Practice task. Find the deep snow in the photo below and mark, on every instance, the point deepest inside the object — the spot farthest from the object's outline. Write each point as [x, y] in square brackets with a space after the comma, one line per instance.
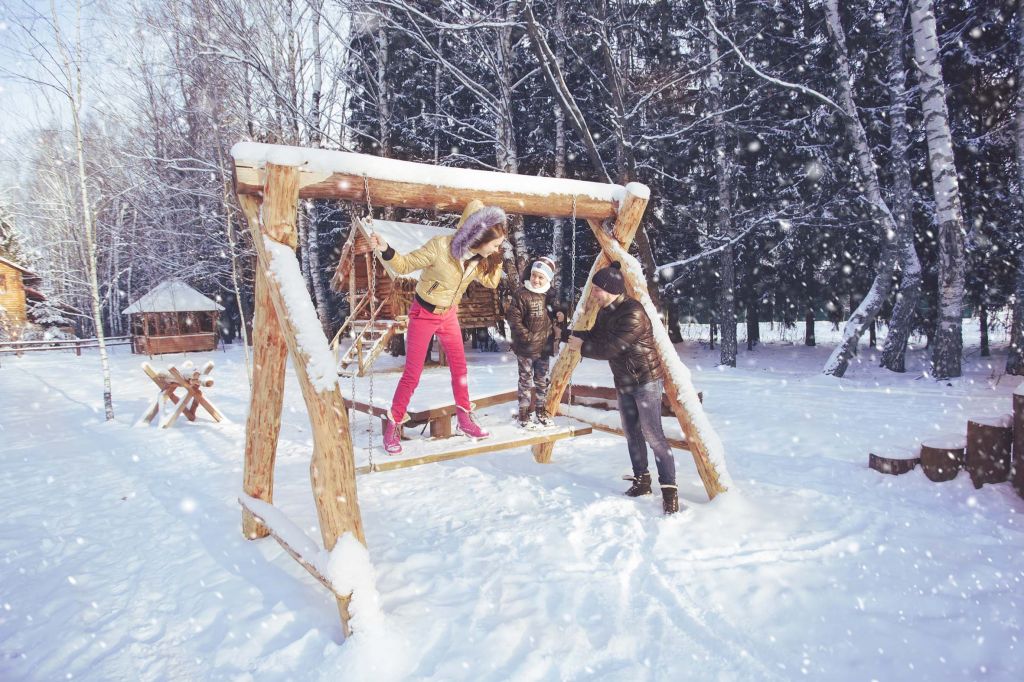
[122, 556]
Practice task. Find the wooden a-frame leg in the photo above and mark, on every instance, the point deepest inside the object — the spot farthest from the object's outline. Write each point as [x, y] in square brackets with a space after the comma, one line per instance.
[263, 425]
[637, 288]
[631, 211]
[332, 470]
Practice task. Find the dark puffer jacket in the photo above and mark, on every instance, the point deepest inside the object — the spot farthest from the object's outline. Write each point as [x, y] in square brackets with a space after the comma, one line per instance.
[623, 335]
[529, 319]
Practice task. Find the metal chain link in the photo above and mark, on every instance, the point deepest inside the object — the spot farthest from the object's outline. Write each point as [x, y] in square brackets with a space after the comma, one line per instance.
[371, 278]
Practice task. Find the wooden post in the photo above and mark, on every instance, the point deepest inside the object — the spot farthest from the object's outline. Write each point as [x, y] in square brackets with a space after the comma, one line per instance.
[332, 470]
[630, 212]
[637, 288]
[263, 426]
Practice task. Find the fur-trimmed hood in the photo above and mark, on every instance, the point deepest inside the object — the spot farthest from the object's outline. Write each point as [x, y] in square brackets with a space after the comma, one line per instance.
[473, 227]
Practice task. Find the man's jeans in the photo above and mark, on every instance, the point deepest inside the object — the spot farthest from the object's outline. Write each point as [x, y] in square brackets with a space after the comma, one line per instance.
[640, 410]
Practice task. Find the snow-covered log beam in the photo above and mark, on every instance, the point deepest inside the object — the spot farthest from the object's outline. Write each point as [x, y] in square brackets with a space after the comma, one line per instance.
[701, 439]
[630, 213]
[263, 426]
[326, 174]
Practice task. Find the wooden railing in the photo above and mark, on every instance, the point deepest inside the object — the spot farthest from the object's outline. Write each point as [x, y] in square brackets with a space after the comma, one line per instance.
[20, 347]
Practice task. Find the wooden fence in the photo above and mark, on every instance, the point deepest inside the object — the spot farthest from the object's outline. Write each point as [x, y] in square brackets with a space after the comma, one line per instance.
[19, 347]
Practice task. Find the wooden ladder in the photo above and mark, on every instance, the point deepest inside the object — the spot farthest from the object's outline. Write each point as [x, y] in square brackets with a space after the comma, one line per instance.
[369, 342]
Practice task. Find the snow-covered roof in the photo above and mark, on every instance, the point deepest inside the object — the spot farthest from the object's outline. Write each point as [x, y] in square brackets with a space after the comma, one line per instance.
[172, 296]
[329, 161]
[16, 266]
[405, 237]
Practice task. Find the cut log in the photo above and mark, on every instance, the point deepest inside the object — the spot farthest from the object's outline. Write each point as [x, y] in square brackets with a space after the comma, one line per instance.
[989, 441]
[892, 463]
[942, 458]
[1017, 474]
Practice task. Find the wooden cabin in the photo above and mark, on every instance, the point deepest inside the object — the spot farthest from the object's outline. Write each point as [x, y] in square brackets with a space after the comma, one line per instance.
[173, 318]
[393, 293]
[16, 288]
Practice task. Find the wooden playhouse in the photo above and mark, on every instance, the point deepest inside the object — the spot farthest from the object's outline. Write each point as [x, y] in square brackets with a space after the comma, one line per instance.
[392, 293]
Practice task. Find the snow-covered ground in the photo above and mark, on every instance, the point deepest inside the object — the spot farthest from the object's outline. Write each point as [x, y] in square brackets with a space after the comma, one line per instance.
[121, 556]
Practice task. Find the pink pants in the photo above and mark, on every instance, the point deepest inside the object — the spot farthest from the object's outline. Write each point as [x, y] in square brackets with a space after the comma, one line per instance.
[423, 325]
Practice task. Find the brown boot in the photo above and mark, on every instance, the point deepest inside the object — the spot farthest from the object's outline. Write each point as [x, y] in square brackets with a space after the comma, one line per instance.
[669, 499]
[641, 486]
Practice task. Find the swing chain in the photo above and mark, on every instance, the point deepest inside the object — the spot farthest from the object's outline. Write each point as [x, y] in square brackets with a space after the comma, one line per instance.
[371, 284]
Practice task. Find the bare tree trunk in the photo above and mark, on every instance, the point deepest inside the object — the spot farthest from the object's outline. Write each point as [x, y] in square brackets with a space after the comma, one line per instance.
[809, 329]
[558, 236]
[753, 320]
[624, 152]
[317, 211]
[983, 329]
[73, 75]
[723, 179]
[894, 351]
[866, 312]
[1015, 357]
[506, 151]
[948, 215]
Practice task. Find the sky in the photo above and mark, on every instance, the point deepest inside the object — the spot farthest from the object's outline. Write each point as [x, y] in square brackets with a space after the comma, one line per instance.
[27, 53]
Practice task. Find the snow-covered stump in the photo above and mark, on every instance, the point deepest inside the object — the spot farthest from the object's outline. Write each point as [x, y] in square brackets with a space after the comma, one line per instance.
[631, 210]
[263, 427]
[704, 444]
[895, 462]
[1017, 470]
[332, 470]
[989, 442]
[942, 458]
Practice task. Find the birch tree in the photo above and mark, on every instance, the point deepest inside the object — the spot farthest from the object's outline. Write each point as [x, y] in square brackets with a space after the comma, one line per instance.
[948, 338]
[864, 315]
[894, 351]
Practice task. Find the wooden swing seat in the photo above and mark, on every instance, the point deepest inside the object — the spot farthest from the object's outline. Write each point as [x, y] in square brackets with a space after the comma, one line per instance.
[504, 436]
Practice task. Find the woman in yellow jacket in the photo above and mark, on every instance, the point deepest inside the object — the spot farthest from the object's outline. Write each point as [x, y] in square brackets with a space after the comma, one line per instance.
[448, 265]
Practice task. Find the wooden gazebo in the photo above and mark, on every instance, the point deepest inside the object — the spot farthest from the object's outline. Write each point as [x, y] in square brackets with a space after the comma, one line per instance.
[270, 180]
[173, 318]
[393, 293]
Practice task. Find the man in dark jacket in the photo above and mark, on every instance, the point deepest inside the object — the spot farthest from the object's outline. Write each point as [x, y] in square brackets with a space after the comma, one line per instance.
[622, 334]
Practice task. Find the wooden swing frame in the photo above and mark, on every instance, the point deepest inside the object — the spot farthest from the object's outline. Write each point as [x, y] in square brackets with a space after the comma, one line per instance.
[269, 185]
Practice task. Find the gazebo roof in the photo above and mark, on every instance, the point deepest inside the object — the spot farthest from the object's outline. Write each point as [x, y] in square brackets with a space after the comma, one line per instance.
[172, 296]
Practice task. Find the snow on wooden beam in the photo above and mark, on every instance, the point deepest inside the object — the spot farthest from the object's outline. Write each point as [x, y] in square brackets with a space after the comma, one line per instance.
[327, 174]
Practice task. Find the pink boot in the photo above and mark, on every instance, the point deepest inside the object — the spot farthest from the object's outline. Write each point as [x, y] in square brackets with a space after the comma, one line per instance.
[468, 425]
[392, 439]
